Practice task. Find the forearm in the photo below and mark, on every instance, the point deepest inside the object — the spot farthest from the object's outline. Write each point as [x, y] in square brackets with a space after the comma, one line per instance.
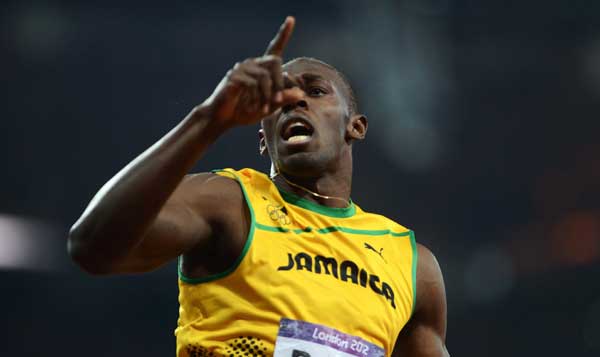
[126, 208]
[115, 220]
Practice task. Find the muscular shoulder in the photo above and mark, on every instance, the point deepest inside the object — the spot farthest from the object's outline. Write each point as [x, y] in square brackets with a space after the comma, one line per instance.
[428, 268]
[210, 193]
[220, 200]
[430, 283]
[210, 183]
[425, 333]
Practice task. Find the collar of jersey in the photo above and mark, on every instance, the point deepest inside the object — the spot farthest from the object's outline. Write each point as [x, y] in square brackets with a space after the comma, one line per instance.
[336, 212]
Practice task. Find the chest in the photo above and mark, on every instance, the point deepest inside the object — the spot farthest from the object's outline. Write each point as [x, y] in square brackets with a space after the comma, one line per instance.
[342, 280]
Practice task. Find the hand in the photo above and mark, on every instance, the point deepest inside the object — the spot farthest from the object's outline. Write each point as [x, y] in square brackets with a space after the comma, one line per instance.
[254, 88]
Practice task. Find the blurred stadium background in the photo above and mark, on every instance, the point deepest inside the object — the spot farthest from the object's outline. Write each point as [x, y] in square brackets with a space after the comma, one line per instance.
[484, 138]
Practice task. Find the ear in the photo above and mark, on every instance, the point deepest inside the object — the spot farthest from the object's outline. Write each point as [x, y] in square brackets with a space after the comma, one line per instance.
[262, 144]
[356, 129]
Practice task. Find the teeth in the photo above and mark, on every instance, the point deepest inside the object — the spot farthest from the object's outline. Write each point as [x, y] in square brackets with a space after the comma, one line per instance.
[298, 124]
[298, 138]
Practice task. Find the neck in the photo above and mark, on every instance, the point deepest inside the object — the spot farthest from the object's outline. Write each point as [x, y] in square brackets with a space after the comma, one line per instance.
[331, 189]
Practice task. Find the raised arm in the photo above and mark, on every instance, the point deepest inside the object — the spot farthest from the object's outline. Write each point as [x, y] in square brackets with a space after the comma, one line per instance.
[425, 333]
[150, 212]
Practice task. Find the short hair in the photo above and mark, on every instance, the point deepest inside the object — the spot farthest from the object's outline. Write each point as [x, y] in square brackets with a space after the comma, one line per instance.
[352, 102]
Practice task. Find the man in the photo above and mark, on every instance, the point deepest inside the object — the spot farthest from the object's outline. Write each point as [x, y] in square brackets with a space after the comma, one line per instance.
[283, 266]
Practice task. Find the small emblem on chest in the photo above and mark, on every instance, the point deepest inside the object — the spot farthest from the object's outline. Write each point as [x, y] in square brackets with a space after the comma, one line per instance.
[379, 252]
[277, 213]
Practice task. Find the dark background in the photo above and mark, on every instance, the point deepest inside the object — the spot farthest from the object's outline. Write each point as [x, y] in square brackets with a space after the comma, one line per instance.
[484, 139]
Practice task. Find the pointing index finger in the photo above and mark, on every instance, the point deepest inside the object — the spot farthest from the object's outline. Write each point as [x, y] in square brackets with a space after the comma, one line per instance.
[277, 45]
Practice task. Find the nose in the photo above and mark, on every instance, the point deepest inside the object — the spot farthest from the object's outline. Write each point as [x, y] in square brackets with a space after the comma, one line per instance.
[291, 81]
[298, 104]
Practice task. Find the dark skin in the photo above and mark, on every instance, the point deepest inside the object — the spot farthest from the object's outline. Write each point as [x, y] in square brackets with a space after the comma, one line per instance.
[152, 212]
[324, 163]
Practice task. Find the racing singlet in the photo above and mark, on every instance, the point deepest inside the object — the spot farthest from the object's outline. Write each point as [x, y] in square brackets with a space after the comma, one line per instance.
[312, 281]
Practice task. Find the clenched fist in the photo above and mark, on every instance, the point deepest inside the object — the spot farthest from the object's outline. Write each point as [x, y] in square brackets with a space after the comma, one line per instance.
[255, 87]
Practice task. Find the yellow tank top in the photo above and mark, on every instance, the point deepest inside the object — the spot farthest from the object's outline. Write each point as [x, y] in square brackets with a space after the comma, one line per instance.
[312, 281]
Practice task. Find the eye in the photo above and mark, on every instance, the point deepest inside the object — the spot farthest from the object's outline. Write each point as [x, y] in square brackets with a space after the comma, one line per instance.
[316, 92]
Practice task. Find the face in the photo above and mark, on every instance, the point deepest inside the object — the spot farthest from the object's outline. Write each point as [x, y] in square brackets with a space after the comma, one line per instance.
[307, 138]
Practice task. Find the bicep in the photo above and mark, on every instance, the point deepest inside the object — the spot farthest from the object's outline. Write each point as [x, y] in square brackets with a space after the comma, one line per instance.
[425, 333]
[184, 222]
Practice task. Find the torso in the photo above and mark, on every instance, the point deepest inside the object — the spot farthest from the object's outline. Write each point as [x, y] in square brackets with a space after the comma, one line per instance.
[335, 272]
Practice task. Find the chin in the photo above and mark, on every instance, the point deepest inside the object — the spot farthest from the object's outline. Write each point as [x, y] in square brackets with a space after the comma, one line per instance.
[303, 164]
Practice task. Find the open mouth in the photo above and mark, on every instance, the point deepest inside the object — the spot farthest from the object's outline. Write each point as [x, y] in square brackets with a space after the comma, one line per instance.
[296, 130]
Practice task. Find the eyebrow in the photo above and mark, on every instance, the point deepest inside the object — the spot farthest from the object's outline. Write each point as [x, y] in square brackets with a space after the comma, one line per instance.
[313, 77]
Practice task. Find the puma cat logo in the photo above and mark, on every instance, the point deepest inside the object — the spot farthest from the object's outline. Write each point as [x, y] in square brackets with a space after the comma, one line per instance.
[380, 251]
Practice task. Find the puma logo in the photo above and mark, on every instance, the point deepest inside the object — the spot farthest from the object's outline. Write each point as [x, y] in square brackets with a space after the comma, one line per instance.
[380, 251]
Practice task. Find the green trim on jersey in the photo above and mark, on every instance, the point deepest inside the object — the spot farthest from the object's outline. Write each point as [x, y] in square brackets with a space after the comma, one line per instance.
[238, 261]
[415, 260]
[331, 229]
[275, 229]
[344, 212]
[366, 232]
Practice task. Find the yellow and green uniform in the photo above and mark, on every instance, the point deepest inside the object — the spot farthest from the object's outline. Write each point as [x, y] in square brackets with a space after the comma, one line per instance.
[340, 269]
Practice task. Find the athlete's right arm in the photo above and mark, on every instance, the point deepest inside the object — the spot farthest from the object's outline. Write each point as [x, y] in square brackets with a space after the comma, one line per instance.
[150, 208]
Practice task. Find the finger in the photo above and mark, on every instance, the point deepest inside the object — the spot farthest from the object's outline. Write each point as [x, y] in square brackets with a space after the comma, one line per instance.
[289, 96]
[246, 84]
[264, 82]
[250, 100]
[288, 81]
[277, 45]
[273, 65]
[243, 80]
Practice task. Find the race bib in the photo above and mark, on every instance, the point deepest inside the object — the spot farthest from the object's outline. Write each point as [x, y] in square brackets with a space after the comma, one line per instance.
[304, 339]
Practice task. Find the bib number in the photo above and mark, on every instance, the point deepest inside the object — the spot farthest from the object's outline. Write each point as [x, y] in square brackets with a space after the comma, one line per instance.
[303, 339]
